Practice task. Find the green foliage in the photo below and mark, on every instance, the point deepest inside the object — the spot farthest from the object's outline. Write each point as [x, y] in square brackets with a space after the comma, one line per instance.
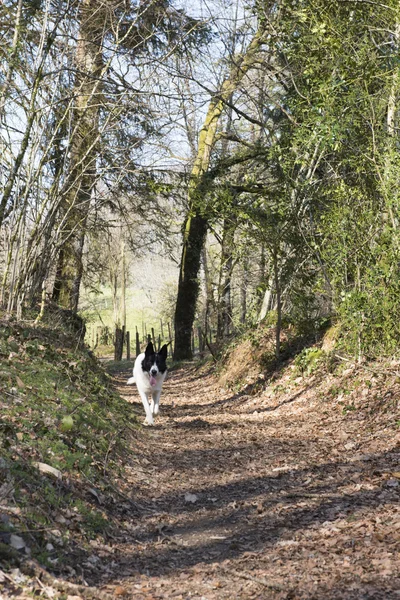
[309, 360]
[370, 315]
[44, 386]
[342, 166]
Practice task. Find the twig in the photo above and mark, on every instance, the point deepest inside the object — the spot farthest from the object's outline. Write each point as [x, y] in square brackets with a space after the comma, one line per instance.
[375, 371]
[261, 581]
[7, 576]
[112, 442]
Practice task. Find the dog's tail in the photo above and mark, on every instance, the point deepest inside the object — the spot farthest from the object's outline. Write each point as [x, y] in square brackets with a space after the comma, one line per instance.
[130, 381]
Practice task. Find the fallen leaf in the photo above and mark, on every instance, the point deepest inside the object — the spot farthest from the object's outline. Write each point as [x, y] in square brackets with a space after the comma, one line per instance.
[94, 493]
[19, 381]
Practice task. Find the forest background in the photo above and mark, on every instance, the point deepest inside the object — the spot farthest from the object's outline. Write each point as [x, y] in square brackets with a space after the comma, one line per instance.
[234, 161]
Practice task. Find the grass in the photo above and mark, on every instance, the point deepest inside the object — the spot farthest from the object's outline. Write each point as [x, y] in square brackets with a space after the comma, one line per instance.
[99, 312]
[57, 407]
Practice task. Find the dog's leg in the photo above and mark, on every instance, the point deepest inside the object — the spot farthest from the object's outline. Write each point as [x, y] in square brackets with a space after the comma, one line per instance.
[149, 416]
[156, 401]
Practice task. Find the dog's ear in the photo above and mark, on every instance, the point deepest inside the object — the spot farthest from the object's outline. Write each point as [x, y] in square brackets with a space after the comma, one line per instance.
[149, 350]
[164, 351]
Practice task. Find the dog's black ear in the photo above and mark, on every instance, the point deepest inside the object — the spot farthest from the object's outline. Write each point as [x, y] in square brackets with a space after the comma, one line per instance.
[164, 351]
[149, 350]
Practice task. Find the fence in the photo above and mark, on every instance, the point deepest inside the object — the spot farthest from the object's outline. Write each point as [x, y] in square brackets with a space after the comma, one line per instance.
[123, 339]
[134, 344]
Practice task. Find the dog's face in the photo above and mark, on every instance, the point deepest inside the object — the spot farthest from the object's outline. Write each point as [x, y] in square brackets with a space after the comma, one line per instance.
[155, 362]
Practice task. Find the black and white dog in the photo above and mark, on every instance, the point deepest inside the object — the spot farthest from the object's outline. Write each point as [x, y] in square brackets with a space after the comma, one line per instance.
[149, 372]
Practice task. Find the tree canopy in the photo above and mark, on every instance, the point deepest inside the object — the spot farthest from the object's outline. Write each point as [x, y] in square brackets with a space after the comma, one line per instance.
[255, 144]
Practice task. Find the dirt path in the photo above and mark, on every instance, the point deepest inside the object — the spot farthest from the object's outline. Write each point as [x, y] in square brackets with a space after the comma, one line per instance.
[239, 497]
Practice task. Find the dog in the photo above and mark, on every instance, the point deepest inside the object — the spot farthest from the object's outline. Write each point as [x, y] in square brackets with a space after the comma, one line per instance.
[149, 373]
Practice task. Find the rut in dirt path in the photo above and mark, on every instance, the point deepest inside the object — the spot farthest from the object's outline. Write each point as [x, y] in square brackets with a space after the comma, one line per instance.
[256, 497]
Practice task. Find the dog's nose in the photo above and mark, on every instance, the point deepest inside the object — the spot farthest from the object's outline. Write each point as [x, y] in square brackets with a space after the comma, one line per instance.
[153, 372]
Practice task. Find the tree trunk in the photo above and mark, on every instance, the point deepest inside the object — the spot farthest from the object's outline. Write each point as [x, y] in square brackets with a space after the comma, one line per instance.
[114, 287]
[84, 141]
[123, 283]
[225, 278]
[76, 283]
[210, 307]
[188, 288]
[57, 281]
[278, 325]
[243, 291]
[392, 139]
[267, 305]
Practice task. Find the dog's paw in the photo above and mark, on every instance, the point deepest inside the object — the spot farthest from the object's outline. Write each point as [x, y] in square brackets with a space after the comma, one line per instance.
[147, 423]
[130, 381]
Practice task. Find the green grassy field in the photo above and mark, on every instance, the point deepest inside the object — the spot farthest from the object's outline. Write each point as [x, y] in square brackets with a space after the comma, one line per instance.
[142, 312]
[150, 298]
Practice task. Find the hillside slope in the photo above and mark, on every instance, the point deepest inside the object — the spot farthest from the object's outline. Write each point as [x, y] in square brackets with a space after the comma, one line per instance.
[64, 444]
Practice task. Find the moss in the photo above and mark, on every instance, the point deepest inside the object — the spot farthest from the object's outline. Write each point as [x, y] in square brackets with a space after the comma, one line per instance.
[48, 379]
[309, 359]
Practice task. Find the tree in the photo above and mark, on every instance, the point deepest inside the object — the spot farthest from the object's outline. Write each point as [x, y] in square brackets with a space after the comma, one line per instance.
[82, 178]
[77, 152]
[195, 226]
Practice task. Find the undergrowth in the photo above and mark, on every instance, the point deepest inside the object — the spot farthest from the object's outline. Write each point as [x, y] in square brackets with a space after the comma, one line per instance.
[58, 409]
[251, 356]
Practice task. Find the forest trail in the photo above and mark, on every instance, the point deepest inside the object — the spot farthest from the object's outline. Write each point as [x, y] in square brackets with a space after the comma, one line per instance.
[269, 496]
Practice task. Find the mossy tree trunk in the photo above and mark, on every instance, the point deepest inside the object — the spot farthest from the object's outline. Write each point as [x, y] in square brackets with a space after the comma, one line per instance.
[194, 237]
[195, 228]
[84, 152]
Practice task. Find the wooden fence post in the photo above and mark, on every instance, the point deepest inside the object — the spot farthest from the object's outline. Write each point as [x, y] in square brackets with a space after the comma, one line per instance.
[137, 342]
[118, 344]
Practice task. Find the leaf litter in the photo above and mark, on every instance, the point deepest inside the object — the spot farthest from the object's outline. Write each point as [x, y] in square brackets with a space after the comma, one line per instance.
[291, 494]
[287, 491]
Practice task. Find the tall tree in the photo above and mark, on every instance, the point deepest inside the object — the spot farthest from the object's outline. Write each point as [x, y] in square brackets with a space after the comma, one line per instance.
[195, 226]
[84, 150]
